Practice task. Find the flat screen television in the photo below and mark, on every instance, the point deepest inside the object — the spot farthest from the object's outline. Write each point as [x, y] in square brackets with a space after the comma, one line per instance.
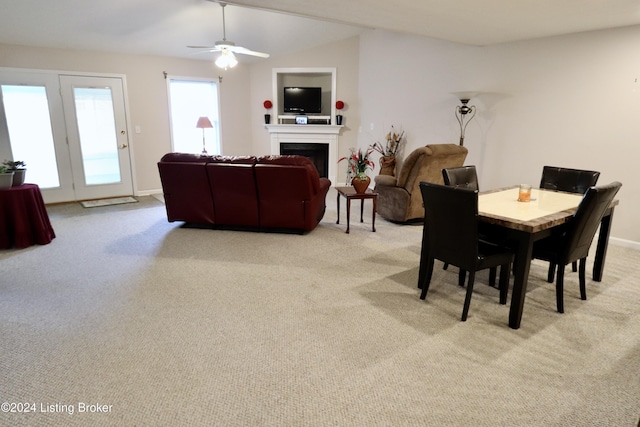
[302, 100]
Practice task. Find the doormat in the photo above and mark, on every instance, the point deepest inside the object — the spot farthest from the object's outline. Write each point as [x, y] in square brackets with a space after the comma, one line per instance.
[108, 202]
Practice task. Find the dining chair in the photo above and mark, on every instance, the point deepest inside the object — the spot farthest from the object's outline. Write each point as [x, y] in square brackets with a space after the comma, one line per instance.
[566, 179]
[569, 180]
[573, 243]
[466, 177]
[451, 236]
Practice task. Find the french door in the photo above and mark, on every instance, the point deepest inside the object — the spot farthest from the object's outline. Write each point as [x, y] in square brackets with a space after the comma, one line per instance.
[98, 138]
[70, 130]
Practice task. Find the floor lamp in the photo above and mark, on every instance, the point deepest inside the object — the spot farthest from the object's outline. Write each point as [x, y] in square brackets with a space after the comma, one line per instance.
[204, 123]
[464, 114]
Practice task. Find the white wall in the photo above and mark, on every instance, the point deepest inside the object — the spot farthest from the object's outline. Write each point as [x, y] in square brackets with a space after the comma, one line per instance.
[147, 97]
[567, 101]
[343, 56]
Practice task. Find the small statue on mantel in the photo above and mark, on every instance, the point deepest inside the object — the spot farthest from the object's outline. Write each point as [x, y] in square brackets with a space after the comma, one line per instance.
[388, 160]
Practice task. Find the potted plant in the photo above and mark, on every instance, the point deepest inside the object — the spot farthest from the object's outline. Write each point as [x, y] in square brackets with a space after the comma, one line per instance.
[6, 178]
[358, 163]
[18, 169]
[389, 151]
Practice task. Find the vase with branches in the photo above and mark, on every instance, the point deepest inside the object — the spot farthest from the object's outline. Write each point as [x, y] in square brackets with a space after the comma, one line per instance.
[393, 141]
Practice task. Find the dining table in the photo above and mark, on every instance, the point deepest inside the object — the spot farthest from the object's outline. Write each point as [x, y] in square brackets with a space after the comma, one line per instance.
[521, 224]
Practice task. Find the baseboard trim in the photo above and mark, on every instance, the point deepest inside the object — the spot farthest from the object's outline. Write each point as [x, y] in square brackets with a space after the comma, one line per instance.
[625, 243]
[149, 192]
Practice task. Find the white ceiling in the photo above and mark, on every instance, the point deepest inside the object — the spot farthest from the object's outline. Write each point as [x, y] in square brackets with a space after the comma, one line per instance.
[166, 27]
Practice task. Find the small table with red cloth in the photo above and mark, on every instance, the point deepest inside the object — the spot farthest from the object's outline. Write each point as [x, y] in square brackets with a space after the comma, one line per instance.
[24, 220]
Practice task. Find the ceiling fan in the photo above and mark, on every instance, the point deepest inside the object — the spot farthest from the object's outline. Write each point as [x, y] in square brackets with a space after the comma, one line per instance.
[227, 48]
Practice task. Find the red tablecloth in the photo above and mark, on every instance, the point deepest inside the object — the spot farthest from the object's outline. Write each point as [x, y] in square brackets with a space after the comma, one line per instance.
[23, 218]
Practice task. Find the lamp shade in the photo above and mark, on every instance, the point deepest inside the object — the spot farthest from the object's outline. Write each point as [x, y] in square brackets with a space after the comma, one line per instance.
[204, 122]
[226, 59]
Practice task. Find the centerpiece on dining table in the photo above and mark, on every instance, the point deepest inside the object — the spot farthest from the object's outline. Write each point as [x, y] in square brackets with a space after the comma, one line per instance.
[357, 164]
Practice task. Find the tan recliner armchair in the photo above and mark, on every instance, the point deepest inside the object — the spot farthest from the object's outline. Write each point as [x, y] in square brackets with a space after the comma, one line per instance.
[399, 198]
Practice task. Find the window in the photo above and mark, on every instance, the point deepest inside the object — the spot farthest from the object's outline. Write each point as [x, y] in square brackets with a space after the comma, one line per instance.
[190, 99]
[30, 135]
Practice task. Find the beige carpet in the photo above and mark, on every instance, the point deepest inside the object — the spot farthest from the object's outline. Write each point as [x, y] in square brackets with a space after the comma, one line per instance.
[170, 326]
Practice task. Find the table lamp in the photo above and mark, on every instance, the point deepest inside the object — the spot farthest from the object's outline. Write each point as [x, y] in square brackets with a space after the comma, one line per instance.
[204, 123]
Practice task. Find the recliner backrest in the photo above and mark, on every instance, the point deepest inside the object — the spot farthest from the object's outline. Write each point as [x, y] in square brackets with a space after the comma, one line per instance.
[566, 179]
[586, 220]
[451, 221]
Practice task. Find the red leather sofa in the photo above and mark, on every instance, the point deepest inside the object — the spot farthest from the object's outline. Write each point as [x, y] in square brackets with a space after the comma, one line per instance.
[259, 193]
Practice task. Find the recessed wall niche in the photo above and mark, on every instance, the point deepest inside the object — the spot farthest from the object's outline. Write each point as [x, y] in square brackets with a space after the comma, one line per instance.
[324, 78]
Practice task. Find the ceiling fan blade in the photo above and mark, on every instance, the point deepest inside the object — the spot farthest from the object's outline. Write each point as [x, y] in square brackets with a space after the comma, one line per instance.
[245, 51]
[225, 44]
[202, 47]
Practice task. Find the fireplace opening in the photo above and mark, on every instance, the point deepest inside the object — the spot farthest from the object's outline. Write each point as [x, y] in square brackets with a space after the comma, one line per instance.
[317, 153]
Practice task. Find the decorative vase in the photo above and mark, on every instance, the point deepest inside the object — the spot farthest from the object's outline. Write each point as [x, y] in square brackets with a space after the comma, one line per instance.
[6, 180]
[18, 177]
[361, 182]
[387, 165]
[339, 119]
[267, 119]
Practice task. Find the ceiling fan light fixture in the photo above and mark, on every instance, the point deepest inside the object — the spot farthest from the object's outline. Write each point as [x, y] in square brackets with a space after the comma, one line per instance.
[226, 60]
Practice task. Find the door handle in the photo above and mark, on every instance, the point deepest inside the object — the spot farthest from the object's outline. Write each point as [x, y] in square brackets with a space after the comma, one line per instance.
[123, 146]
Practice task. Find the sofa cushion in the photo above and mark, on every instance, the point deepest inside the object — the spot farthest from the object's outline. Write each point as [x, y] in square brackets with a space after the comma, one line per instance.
[185, 158]
[233, 187]
[186, 191]
[294, 161]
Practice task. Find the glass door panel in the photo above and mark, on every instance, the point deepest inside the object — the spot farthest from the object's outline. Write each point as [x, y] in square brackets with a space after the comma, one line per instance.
[98, 135]
[95, 118]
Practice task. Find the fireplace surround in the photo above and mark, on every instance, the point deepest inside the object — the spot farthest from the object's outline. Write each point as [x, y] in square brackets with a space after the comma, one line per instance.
[304, 136]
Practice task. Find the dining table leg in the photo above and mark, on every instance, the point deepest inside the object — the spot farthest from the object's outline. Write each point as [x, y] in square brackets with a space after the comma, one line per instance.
[524, 251]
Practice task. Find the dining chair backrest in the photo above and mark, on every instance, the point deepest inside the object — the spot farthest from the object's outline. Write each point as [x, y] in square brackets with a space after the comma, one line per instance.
[451, 221]
[464, 176]
[586, 220]
[569, 180]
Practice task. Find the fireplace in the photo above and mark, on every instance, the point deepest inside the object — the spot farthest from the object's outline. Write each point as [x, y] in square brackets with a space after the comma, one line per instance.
[309, 136]
[317, 153]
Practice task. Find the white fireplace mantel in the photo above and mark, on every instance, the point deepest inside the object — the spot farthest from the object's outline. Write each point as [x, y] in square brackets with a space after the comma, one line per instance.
[308, 134]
